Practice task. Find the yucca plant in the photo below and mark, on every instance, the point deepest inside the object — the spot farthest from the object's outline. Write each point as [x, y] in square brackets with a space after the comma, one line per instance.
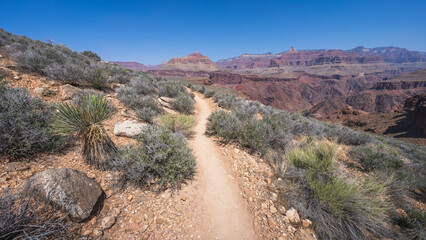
[85, 119]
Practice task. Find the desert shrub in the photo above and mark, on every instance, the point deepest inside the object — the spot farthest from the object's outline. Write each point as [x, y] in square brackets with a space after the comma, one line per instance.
[143, 85]
[92, 55]
[341, 208]
[198, 88]
[178, 123]
[170, 89]
[25, 124]
[184, 104]
[209, 93]
[161, 158]
[224, 125]
[84, 118]
[23, 218]
[97, 78]
[224, 100]
[146, 114]
[381, 157]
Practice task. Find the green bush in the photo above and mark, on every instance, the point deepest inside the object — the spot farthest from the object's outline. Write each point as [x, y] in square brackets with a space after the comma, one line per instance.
[25, 124]
[84, 118]
[161, 159]
[184, 104]
[178, 123]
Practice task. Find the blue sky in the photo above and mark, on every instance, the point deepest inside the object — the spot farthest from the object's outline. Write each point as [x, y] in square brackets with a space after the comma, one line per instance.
[152, 32]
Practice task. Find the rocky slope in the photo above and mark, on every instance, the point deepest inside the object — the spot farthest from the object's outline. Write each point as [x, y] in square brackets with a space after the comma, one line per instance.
[297, 91]
[417, 105]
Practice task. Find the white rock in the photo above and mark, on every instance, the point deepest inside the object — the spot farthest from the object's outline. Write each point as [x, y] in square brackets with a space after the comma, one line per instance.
[17, 78]
[108, 222]
[41, 91]
[293, 216]
[128, 128]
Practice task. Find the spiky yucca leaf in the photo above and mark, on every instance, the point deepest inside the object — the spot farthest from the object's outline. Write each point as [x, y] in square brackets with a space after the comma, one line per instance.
[84, 118]
[90, 109]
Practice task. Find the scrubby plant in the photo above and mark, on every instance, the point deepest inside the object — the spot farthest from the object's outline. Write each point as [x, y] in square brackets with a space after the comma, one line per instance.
[178, 123]
[341, 208]
[170, 89]
[25, 124]
[146, 114]
[92, 55]
[85, 119]
[224, 100]
[184, 104]
[374, 156]
[198, 88]
[209, 93]
[161, 159]
[21, 217]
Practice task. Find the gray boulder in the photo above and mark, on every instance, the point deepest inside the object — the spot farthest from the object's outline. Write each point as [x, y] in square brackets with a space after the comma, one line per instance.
[128, 128]
[69, 92]
[68, 189]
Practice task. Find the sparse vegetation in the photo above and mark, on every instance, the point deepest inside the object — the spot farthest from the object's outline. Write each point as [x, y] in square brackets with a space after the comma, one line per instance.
[178, 123]
[25, 124]
[59, 62]
[184, 104]
[21, 217]
[342, 208]
[160, 159]
[332, 200]
[84, 118]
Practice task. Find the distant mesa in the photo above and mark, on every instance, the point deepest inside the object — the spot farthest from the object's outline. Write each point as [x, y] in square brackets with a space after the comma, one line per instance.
[192, 62]
[135, 66]
[292, 49]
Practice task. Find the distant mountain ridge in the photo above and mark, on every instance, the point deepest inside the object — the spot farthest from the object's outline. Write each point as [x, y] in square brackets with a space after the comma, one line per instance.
[293, 57]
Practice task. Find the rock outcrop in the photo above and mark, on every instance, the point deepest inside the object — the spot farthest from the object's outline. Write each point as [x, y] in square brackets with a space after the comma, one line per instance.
[193, 62]
[128, 128]
[68, 189]
[417, 105]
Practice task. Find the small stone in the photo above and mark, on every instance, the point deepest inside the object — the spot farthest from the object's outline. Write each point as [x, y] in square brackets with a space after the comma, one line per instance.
[272, 209]
[306, 223]
[144, 228]
[17, 78]
[115, 212]
[16, 167]
[145, 216]
[268, 181]
[272, 223]
[282, 209]
[159, 221]
[250, 199]
[108, 222]
[129, 198]
[93, 221]
[1, 56]
[98, 232]
[184, 198]
[293, 216]
[281, 238]
[87, 232]
[144, 236]
[236, 150]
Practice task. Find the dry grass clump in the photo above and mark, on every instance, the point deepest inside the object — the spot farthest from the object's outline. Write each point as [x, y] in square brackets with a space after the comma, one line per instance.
[178, 123]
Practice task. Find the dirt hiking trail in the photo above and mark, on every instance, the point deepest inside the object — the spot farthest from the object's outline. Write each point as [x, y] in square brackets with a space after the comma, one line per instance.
[222, 211]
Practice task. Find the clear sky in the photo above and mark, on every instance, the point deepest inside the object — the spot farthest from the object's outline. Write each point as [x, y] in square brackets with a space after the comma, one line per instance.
[152, 32]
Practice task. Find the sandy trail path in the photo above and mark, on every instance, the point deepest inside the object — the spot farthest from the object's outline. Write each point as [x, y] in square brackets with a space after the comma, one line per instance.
[220, 209]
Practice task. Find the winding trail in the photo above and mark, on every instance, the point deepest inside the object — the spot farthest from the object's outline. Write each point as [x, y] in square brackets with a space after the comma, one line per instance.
[220, 208]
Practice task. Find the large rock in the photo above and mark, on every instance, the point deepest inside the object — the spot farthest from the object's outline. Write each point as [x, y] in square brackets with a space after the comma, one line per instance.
[128, 128]
[68, 189]
[69, 92]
